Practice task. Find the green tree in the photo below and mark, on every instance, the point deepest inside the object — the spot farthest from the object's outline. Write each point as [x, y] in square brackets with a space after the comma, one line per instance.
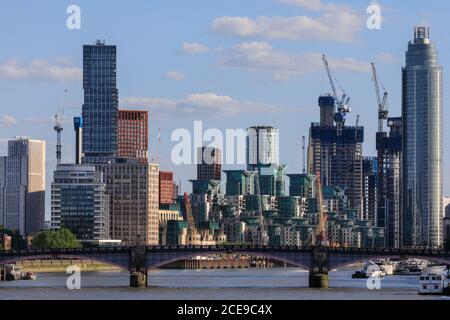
[60, 239]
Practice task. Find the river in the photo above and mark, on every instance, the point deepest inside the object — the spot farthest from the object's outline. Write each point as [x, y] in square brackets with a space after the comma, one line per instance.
[231, 284]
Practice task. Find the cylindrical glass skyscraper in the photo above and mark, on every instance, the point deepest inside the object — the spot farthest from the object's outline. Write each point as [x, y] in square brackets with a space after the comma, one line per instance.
[422, 205]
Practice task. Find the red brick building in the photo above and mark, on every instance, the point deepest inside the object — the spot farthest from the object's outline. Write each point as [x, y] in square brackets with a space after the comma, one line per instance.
[133, 135]
[166, 187]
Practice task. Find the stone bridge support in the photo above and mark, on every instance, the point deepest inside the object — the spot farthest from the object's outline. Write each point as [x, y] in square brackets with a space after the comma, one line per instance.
[318, 273]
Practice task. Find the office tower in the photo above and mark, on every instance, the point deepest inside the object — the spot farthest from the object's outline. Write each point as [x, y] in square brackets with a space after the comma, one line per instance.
[133, 135]
[100, 108]
[3, 160]
[24, 186]
[389, 181]
[369, 189]
[166, 188]
[133, 189]
[78, 128]
[422, 143]
[209, 164]
[336, 154]
[79, 202]
[262, 147]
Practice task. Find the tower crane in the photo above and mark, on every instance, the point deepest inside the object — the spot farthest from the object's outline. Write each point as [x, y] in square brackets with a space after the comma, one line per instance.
[158, 141]
[383, 111]
[342, 102]
[58, 129]
[319, 232]
[192, 229]
[304, 154]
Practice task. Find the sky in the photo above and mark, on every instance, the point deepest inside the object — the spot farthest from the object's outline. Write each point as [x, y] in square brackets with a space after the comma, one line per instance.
[230, 64]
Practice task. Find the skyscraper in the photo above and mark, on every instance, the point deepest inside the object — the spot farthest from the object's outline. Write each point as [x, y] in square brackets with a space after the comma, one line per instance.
[24, 186]
[133, 135]
[263, 147]
[100, 108]
[389, 181]
[337, 153]
[209, 166]
[422, 143]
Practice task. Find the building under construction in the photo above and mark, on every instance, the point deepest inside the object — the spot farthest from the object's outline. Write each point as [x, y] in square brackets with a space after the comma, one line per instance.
[336, 152]
[389, 149]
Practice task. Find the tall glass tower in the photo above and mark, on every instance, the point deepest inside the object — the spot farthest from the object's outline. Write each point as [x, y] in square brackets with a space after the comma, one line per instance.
[100, 108]
[422, 207]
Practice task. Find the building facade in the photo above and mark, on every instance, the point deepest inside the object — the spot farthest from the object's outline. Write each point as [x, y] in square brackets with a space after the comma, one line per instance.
[389, 182]
[263, 147]
[101, 102]
[79, 202]
[133, 190]
[209, 166]
[422, 206]
[23, 179]
[132, 135]
[336, 154]
[166, 188]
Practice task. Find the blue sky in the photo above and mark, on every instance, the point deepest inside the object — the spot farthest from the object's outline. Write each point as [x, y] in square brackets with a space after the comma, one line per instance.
[229, 63]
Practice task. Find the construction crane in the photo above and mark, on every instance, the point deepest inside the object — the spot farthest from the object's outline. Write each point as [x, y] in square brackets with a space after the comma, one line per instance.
[158, 141]
[304, 153]
[189, 216]
[262, 226]
[319, 232]
[192, 229]
[383, 111]
[342, 102]
[58, 129]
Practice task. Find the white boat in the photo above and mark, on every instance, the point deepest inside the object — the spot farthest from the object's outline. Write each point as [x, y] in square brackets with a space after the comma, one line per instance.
[434, 281]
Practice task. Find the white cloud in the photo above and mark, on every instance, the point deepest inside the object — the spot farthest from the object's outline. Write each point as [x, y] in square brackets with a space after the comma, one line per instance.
[46, 120]
[337, 26]
[316, 5]
[174, 75]
[261, 56]
[202, 104]
[7, 121]
[38, 70]
[193, 48]
[385, 57]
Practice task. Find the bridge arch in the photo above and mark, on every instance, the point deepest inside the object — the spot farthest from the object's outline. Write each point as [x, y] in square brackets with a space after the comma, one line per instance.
[302, 260]
[119, 263]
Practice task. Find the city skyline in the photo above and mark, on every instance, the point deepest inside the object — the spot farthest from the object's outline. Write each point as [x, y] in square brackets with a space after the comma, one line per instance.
[264, 93]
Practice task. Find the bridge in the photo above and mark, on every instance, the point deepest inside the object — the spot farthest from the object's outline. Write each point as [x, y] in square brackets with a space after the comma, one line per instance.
[139, 259]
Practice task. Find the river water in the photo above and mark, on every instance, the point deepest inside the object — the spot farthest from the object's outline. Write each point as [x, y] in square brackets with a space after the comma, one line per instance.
[228, 284]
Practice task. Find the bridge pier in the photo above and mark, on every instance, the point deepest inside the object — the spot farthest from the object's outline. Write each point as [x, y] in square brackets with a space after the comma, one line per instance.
[139, 274]
[138, 279]
[318, 273]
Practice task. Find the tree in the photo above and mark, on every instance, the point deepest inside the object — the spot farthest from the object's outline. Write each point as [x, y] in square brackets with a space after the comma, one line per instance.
[60, 239]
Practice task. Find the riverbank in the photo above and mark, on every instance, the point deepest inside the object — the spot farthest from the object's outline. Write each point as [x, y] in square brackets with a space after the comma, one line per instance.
[52, 266]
